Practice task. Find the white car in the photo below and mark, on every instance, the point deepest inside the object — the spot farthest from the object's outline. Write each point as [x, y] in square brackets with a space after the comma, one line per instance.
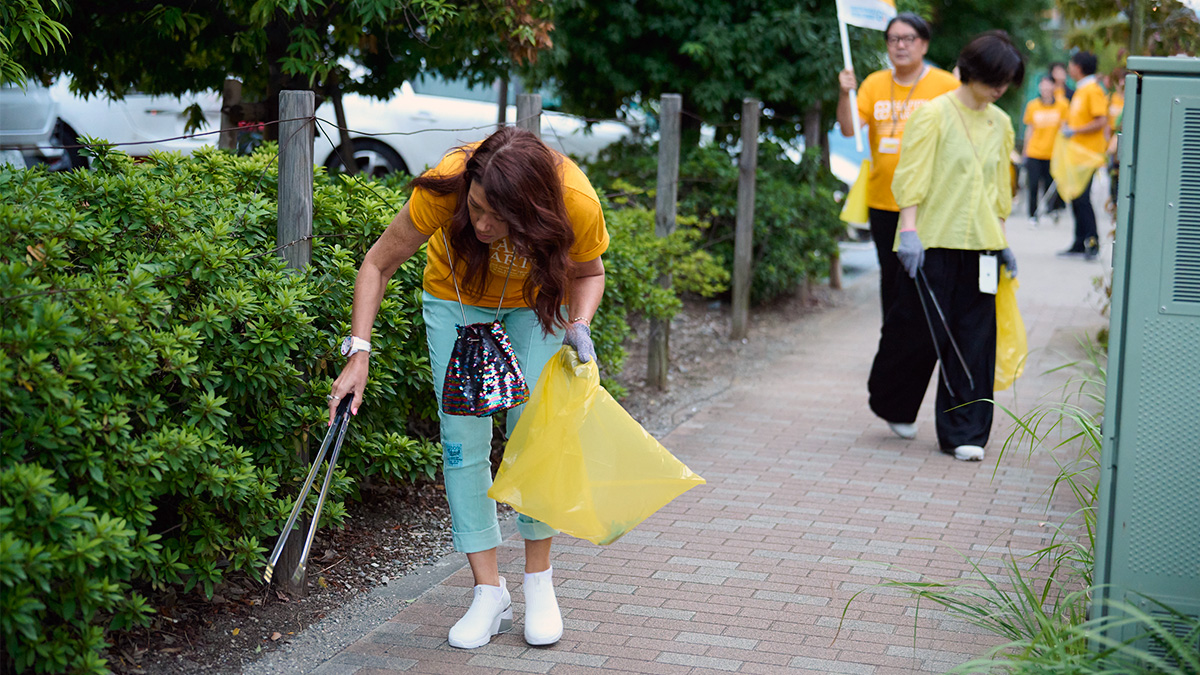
[408, 132]
[138, 118]
[27, 119]
[426, 117]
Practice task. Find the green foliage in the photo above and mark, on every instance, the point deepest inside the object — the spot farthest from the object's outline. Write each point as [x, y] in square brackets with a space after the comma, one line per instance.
[635, 260]
[160, 367]
[609, 53]
[796, 225]
[1169, 27]
[25, 26]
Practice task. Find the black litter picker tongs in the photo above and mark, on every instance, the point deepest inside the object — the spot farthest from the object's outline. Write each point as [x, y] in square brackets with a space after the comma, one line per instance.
[341, 420]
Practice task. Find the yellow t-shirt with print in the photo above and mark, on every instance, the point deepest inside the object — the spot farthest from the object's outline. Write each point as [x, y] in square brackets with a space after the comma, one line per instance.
[885, 106]
[430, 212]
[1089, 102]
[1043, 121]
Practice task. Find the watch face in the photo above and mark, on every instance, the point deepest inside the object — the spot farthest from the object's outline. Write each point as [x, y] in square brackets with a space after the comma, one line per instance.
[346, 347]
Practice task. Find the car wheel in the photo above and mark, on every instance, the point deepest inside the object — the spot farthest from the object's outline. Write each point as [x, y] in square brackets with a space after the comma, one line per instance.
[71, 158]
[373, 158]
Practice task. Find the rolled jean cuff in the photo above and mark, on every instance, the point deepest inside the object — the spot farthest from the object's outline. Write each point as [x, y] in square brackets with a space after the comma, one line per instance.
[474, 542]
[533, 530]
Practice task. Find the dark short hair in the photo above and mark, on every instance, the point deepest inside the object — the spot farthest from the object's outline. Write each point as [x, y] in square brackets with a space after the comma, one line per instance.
[913, 21]
[1057, 64]
[991, 58]
[1046, 78]
[1086, 62]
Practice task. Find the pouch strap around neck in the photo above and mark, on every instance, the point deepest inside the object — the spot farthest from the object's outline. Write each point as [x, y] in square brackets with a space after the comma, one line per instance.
[454, 277]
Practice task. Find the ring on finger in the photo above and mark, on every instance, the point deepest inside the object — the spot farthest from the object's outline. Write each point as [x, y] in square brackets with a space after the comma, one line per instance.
[331, 397]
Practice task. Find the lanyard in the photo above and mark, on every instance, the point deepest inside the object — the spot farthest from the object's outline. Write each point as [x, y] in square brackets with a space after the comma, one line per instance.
[967, 129]
[892, 98]
[455, 278]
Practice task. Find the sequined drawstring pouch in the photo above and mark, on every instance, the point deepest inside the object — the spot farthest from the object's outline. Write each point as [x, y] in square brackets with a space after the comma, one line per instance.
[483, 376]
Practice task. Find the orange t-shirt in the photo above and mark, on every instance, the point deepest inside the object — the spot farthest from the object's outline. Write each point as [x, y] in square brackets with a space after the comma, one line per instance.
[1042, 122]
[1089, 102]
[430, 212]
[885, 107]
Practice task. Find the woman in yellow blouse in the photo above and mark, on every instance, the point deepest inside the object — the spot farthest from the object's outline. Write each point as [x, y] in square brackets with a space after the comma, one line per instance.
[1043, 116]
[952, 186]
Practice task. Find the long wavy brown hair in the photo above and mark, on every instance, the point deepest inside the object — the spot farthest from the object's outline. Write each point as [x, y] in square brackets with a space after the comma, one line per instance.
[521, 181]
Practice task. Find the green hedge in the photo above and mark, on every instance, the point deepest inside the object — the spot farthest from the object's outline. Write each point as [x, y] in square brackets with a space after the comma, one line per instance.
[796, 225]
[160, 368]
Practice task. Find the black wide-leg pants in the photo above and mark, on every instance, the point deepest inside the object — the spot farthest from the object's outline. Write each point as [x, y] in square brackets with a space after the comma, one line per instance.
[883, 232]
[907, 357]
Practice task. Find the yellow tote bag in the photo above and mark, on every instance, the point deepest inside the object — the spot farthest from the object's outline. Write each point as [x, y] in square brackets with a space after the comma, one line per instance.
[1071, 166]
[579, 463]
[1012, 346]
[854, 209]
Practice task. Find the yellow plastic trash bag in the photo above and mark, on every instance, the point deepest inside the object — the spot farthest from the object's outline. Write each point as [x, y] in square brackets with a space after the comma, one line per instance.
[579, 463]
[1071, 166]
[1012, 346]
[854, 209]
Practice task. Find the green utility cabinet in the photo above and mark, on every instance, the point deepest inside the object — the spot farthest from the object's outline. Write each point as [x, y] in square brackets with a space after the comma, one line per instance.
[1148, 519]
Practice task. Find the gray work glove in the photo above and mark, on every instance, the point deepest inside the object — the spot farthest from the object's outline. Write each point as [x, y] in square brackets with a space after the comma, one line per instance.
[579, 336]
[1010, 261]
[911, 252]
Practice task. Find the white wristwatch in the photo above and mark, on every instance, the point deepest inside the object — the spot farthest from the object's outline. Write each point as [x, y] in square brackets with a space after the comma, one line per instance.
[353, 345]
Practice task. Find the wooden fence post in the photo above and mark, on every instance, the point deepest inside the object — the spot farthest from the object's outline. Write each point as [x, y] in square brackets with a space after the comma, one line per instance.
[529, 113]
[743, 238]
[295, 223]
[231, 95]
[813, 141]
[658, 359]
[295, 176]
[502, 103]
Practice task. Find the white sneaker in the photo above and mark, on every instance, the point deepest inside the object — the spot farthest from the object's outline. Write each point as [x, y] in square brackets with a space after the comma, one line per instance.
[543, 621]
[905, 431]
[969, 453]
[490, 613]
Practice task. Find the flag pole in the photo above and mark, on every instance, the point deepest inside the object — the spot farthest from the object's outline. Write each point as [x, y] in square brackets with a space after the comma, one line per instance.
[858, 144]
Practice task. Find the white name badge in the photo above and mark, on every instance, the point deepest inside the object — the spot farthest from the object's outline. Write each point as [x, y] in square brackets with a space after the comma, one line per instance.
[989, 273]
[889, 146]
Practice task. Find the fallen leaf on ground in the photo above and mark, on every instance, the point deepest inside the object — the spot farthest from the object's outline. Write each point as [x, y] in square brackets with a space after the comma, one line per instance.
[276, 635]
[236, 631]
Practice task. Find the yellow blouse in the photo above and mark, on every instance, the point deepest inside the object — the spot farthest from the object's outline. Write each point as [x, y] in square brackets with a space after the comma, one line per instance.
[962, 195]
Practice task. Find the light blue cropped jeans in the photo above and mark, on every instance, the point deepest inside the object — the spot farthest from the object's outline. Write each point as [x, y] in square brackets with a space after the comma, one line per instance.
[466, 441]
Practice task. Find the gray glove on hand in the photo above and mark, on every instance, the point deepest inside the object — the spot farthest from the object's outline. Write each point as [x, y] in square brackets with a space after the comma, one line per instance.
[579, 336]
[1010, 261]
[911, 252]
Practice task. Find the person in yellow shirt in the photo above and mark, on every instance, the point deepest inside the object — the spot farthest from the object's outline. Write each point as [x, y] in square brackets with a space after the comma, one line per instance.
[1043, 117]
[1116, 107]
[1058, 73]
[1085, 126]
[886, 99]
[953, 188]
[515, 234]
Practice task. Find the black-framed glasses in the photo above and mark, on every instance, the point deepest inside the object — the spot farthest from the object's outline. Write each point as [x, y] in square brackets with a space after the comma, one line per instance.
[901, 39]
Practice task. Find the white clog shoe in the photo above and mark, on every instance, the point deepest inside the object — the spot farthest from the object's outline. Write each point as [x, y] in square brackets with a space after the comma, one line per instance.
[490, 614]
[543, 621]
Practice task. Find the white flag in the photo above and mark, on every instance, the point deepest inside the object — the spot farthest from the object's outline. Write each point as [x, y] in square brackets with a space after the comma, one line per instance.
[873, 14]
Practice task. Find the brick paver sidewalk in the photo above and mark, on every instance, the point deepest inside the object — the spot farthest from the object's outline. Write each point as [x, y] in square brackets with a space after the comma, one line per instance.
[810, 499]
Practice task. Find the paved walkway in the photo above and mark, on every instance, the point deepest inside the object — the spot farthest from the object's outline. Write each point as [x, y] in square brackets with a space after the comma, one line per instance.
[810, 500]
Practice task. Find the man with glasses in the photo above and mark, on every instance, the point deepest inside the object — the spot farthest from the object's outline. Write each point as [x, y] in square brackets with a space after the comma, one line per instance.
[886, 98]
